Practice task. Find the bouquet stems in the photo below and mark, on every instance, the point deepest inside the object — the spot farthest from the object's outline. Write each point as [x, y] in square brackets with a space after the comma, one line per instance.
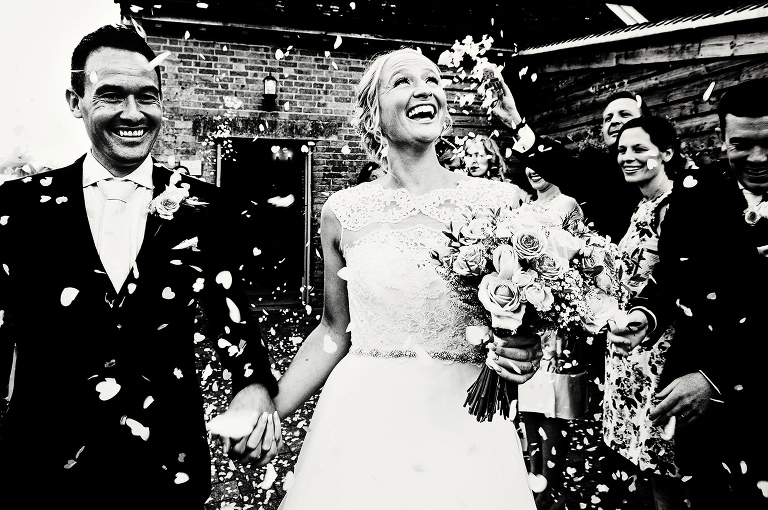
[490, 394]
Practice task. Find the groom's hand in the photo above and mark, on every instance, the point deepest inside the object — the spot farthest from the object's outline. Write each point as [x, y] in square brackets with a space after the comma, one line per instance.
[515, 358]
[260, 434]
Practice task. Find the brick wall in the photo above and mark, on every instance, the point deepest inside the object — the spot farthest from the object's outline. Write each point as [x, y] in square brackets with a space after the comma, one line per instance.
[315, 103]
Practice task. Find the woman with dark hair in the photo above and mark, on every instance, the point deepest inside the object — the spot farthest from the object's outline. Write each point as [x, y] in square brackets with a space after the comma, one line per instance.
[648, 152]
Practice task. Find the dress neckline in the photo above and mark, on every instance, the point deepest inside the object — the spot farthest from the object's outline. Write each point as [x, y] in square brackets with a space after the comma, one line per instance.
[458, 185]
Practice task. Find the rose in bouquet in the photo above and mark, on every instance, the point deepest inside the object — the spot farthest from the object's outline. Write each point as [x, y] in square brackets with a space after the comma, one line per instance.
[522, 268]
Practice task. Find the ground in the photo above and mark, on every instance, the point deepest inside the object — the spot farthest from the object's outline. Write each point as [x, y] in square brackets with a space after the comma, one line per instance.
[236, 487]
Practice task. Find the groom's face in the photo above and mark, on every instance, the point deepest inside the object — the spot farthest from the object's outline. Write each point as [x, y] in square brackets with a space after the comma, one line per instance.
[121, 108]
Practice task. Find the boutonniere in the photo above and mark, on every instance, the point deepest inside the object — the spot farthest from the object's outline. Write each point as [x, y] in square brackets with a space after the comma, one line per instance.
[754, 213]
[175, 195]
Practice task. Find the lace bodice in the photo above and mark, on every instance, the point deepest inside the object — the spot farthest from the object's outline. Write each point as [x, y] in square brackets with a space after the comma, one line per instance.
[398, 302]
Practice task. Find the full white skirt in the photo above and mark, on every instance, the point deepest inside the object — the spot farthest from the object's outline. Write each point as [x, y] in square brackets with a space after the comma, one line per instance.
[392, 434]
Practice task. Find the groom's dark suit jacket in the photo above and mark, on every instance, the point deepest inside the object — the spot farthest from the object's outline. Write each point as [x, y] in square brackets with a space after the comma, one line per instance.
[68, 438]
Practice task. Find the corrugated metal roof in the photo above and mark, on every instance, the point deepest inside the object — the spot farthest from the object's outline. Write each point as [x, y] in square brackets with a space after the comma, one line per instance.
[727, 16]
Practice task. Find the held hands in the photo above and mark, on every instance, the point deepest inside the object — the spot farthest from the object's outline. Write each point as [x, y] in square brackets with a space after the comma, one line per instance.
[249, 430]
[622, 340]
[515, 358]
[686, 398]
[505, 107]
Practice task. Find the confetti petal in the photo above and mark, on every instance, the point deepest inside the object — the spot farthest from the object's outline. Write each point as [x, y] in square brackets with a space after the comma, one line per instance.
[690, 181]
[234, 311]
[224, 278]
[234, 424]
[337, 43]
[107, 388]
[269, 477]
[708, 92]
[45, 181]
[168, 293]
[67, 295]
[3, 220]
[537, 483]
[329, 345]
[181, 478]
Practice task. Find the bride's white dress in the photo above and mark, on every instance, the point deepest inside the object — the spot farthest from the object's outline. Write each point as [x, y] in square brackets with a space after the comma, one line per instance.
[390, 430]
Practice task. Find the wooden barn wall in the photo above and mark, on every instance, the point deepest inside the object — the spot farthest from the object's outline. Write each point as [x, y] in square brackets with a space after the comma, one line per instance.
[568, 105]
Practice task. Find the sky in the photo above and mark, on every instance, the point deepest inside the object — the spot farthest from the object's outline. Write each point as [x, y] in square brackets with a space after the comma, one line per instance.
[37, 38]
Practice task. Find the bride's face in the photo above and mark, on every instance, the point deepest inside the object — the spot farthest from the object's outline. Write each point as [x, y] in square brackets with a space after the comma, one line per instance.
[412, 102]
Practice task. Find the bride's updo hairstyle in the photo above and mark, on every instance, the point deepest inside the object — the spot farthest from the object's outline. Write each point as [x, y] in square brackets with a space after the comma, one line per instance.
[367, 117]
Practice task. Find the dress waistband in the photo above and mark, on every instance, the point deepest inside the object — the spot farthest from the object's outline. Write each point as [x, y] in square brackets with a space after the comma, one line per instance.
[461, 357]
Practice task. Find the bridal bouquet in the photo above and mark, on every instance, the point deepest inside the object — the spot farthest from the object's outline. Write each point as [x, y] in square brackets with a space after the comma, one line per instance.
[522, 268]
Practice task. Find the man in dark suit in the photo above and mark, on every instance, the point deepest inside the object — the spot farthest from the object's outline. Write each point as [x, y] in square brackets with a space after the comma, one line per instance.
[99, 295]
[711, 282]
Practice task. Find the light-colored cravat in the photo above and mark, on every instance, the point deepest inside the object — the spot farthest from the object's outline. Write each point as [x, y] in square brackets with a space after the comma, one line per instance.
[753, 199]
[115, 234]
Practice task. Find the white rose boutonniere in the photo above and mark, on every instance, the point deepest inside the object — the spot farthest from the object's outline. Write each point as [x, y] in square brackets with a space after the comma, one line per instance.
[754, 213]
[169, 201]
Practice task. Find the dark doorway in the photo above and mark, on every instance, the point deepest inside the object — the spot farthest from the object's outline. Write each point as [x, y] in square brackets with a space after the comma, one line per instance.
[272, 176]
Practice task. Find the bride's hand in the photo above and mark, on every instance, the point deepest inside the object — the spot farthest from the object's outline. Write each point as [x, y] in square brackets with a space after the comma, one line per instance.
[515, 358]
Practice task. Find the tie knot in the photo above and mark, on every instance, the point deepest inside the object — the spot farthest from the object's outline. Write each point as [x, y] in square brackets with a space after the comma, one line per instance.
[117, 189]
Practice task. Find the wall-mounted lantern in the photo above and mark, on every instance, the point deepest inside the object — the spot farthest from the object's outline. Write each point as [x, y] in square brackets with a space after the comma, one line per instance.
[270, 92]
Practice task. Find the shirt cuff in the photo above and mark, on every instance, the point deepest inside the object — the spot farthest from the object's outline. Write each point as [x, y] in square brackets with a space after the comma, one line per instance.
[526, 139]
[710, 382]
[651, 317]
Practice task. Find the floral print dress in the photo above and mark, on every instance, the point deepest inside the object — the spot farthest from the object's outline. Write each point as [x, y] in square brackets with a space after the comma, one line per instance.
[632, 381]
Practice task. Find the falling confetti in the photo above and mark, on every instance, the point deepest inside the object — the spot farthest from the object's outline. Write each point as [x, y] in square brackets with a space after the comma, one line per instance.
[67, 295]
[234, 424]
[168, 293]
[224, 278]
[46, 181]
[346, 150]
[282, 201]
[287, 106]
[537, 483]
[279, 54]
[61, 200]
[708, 92]
[690, 181]
[352, 5]
[157, 60]
[234, 311]
[186, 34]
[181, 478]
[3, 220]
[107, 388]
[329, 345]
[337, 43]
[652, 163]
[269, 477]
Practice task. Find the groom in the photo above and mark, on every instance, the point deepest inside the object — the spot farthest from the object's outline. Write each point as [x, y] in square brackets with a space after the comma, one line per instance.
[101, 266]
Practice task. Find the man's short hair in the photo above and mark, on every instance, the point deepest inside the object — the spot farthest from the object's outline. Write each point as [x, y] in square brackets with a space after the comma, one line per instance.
[627, 94]
[121, 37]
[746, 99]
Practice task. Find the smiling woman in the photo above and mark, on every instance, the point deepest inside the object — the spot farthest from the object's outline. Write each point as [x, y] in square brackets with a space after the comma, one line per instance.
[390, 429]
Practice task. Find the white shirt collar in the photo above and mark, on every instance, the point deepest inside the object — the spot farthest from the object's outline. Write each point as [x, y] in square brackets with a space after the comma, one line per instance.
[93, 172]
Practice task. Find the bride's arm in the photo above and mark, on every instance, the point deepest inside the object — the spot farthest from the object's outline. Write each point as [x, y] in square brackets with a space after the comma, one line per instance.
[329, 341]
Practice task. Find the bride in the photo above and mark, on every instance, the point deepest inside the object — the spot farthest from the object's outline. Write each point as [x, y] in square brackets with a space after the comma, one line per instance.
[390, 430]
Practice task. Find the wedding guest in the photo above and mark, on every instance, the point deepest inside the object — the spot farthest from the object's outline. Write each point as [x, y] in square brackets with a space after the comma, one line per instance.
[482, 158]
[709, 399]
[648, 152]
[99, 292]
[390, 429]
[547, 433]
[591, 176]
[370, 172]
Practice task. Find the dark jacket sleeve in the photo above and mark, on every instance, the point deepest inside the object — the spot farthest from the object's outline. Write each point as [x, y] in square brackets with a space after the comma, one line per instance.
[229, 319]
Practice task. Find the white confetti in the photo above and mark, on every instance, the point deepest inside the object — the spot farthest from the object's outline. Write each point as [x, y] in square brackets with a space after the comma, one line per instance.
[690, 181]
[107, 388]
[279, 54]
[344, 273]
[45, 181]
[67, 295]
[537, 483]
[234, 424]
[44, 198]
[708, 92]
[287, 106]
[651, 164]
[256, 252]
[337, 42]
[346, 150]
[148, 401]
[352, 5]
[224, 278]
[181, 478]
[282, 201]
[3, 220]
[61, 200]
[178, 373]
[93, 77]
[234, 311]
[156, 62]
[168, 293]
[269, 477]
[329, 345]
[187, 35]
